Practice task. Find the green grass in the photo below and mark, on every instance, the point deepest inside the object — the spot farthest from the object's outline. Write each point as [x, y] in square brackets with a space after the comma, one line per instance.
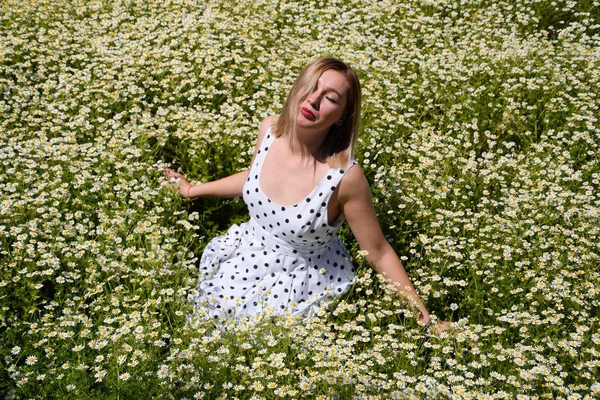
[479, 138]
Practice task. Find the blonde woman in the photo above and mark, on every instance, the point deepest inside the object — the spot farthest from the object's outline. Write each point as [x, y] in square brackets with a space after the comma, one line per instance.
[303, 182]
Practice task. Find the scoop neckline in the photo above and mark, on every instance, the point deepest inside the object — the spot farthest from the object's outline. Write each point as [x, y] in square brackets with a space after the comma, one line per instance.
[298, 203]
[290, 205]
[335, 223]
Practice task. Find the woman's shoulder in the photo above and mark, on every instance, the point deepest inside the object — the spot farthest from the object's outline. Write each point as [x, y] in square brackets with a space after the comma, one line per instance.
[263, 128]
[354, 173]
[353, 183]
[266, 124]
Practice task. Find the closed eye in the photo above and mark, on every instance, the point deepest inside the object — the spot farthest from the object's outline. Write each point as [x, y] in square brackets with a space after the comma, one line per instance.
[331, 100]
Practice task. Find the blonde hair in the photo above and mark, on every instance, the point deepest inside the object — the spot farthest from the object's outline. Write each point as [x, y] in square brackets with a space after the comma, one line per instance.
[340, 142]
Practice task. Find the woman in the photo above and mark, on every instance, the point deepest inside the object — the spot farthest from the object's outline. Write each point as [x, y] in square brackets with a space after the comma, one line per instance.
[302, 184]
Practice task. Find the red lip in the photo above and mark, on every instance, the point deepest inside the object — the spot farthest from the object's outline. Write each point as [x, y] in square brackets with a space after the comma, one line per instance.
[307, 113]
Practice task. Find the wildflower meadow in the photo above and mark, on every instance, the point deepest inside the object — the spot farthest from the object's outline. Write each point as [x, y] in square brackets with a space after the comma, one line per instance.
[480, 138]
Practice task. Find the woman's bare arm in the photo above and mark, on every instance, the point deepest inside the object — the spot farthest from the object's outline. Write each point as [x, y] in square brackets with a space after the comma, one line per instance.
[357, 205]
[230, 186]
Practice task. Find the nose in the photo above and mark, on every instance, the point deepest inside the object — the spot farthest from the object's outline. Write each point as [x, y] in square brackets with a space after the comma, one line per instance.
[313, 99]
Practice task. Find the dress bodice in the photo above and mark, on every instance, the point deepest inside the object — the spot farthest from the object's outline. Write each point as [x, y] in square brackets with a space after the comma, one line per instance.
[302, 226]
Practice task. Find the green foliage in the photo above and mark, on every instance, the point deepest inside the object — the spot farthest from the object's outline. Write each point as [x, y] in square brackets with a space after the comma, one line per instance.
[479, 138]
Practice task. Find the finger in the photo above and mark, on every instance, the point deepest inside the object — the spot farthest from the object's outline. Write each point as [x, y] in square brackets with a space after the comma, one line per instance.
[170, 185]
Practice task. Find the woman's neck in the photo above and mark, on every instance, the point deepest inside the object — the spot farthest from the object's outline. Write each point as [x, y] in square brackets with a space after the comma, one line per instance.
[308, 143]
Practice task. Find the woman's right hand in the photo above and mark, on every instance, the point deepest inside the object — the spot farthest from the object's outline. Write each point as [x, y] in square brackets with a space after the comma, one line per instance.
[441, 326]
[437, 326]
[184, 185]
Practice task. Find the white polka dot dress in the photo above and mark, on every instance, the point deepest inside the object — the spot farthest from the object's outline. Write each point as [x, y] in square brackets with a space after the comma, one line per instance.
[286, 258]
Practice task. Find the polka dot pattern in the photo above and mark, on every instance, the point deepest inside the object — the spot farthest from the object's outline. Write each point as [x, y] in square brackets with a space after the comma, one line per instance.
[286, 258]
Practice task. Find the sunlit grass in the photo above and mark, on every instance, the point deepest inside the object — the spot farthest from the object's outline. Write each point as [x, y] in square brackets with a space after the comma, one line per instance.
[479, 137]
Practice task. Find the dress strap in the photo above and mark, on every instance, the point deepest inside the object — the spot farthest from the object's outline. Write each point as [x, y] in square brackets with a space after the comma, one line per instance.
[262, 150]
[336, 175]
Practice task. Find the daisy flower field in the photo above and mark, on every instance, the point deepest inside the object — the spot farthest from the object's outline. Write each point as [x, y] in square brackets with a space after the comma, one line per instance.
[480, 139]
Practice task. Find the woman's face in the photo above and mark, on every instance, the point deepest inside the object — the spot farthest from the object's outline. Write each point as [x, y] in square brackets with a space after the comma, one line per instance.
[325, 105]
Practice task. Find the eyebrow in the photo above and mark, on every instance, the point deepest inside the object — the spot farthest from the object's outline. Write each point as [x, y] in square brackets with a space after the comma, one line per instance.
[330, 88]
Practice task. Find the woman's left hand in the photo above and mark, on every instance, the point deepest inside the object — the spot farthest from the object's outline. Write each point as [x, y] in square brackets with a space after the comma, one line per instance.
[183, 186]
